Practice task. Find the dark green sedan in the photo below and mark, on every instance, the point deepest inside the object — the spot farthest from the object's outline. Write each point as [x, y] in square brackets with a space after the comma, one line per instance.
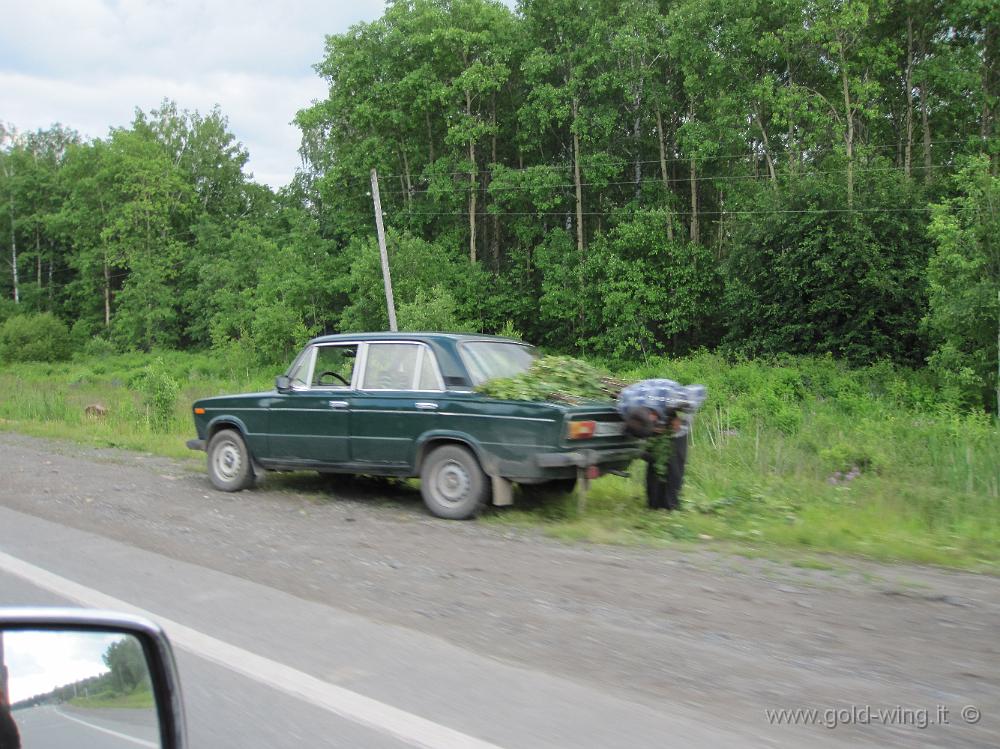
[404, 404]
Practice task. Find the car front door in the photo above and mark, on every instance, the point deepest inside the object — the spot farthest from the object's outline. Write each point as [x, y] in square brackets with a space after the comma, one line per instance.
[309, 423]
[400, 386]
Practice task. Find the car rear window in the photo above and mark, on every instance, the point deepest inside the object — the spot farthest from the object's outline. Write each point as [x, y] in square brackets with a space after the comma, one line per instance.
[489, 360]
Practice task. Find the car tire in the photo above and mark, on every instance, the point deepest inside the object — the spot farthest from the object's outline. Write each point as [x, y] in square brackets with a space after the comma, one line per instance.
[229, 463]
[452, 483]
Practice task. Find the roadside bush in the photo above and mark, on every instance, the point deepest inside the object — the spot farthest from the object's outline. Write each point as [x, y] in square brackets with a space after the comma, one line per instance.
[34, 337]
[97, 348]
[159, 394]
[433, 310]
[428, 282]
[803, 281]
[8, 308]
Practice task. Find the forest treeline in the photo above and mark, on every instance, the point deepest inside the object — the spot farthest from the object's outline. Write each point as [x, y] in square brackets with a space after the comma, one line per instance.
[616, 178]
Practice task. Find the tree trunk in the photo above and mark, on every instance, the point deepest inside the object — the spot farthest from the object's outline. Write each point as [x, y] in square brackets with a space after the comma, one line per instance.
[848, 135]
[13, 247]
[577, 182]
[473, 190]
[406, 175]
[793, 163]
[695, 229]
[107, 272]
[495, 233]
[720, 228]
[430, 138]
[663, 174]
[928, 162]
[989, 40]
[767, 151]
[991, 88]
[107, 293]
[909, 97]
[637, 166]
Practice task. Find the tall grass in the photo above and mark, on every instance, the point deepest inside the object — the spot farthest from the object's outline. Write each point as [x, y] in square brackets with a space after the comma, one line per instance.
[799, 453]
[51, 400]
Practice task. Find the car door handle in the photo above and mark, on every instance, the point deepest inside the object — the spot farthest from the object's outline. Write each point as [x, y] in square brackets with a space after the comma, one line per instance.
[338, 404]
[426, 406]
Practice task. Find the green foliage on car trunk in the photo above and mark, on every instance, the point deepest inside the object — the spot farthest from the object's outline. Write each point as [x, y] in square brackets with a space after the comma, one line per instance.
[556, 378]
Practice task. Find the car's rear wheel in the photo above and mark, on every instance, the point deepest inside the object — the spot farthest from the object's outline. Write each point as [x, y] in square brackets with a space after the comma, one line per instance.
[452, 483]
[229, 465]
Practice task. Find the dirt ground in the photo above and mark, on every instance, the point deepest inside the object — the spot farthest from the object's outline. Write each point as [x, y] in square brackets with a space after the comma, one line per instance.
[724, 634]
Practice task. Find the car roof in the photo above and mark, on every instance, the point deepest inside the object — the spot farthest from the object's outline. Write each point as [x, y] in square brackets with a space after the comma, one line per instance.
[416, 336]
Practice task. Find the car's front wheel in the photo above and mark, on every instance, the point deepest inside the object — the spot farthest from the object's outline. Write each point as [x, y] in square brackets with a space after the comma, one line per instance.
[229, 465]
[452, 483]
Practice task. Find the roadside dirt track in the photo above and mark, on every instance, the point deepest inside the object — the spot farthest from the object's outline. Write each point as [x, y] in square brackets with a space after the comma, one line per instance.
[728, 636]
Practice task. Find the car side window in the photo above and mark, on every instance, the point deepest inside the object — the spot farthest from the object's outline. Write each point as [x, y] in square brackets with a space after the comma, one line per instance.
[429, 379]
[334, 367]
[298, 373]
[391, 366]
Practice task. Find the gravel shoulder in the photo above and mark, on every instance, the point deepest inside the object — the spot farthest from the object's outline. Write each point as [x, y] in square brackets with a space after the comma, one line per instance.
[721, 633]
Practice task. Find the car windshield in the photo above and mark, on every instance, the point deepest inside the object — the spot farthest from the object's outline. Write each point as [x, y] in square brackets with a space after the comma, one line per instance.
[488, 360]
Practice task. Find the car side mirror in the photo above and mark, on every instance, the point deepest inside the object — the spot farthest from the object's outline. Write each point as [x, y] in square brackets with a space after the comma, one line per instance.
[282, 383]
[72, 677]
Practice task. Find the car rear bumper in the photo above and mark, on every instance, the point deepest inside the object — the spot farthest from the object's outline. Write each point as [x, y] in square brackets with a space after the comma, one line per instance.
[196, 445]
[585, 458]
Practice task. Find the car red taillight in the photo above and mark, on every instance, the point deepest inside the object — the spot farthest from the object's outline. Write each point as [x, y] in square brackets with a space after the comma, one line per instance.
[581, 430]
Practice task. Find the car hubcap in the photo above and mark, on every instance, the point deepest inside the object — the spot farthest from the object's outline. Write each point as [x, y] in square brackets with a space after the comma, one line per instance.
[228, 461]
[452, 482]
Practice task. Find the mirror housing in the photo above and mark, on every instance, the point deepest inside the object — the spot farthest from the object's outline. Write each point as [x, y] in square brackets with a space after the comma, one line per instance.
[83, 624]
[282, 383]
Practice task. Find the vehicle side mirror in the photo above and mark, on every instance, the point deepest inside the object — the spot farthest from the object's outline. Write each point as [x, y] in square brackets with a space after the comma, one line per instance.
[72, 677]
[282, 383]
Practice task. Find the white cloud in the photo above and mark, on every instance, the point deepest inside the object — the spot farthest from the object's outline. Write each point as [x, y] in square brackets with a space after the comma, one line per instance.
[89, 63]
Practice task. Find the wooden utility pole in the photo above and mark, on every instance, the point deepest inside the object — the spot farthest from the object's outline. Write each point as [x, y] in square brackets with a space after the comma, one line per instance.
[390, 304]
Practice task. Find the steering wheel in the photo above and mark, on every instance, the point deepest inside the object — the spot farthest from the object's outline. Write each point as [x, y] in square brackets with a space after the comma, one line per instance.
[319, 380]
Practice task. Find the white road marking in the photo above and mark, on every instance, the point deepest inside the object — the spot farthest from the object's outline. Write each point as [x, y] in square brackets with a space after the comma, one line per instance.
[133, 739]
[386, 719]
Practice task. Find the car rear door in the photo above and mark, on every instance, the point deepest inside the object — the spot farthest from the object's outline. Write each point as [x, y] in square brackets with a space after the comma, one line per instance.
[399, 389]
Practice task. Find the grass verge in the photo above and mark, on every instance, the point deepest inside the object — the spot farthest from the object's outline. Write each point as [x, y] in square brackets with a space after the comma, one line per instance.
[139, 699]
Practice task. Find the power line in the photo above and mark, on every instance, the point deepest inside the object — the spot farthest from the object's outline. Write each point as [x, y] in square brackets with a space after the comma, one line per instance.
[734, 212]
[685, 159]
[82, 276]
[649, 181]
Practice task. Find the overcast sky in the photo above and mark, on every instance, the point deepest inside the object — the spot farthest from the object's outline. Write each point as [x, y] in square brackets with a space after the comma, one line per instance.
[40, 661]
[88, 64]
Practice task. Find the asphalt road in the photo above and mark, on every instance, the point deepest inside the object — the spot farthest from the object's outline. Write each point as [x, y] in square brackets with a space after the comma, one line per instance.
[50, 727]
[305, 617]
